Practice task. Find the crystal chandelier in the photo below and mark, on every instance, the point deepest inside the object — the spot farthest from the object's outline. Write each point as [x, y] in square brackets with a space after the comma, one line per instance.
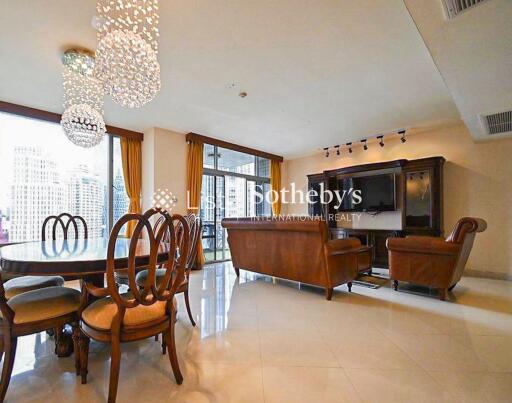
[126, 57]
[82, 120]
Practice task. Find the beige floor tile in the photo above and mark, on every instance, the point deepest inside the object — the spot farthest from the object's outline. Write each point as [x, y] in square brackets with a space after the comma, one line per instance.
[295, 348]
[216, 382]
[397, 386]
[230, 346]
[439, 352]
[367, 349]
[258, 338]
[306, 385]
[476, 387]
[495, 351]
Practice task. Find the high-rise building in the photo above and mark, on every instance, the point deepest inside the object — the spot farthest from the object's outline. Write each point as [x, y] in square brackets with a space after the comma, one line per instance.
[120, 199]
[86, 199]
[36, 192]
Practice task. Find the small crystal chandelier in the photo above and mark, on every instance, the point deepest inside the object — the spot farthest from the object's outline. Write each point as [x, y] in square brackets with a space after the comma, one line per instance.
[126, 57]
[82, 120]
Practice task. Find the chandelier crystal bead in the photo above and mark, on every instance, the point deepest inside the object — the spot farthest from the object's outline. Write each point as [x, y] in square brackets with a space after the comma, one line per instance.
[129, 68]
[82, 120]
[83, 125]
[126, 57]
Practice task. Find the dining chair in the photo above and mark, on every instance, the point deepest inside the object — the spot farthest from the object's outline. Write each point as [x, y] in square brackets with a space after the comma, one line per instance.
[144, 312]
[18, 285]
[194, 228]
[32, 312]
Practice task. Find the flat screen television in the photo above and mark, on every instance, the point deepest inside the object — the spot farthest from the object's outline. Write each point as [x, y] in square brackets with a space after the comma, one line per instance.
[377, 193]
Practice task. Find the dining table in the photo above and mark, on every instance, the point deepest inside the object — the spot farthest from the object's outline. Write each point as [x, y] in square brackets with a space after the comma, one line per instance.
[84, 259]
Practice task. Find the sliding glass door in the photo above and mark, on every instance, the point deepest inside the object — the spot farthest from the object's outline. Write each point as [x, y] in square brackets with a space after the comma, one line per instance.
[230, 187]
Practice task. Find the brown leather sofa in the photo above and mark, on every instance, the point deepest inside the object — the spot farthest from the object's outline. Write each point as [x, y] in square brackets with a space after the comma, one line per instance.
[294, 249]
[431, 261]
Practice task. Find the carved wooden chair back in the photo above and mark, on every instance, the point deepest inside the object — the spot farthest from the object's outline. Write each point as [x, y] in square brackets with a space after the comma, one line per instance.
[63, 221]
[152, 291]
[195, 226]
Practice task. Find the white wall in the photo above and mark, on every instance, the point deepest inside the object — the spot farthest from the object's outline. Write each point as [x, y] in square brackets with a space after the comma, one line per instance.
[164, 162]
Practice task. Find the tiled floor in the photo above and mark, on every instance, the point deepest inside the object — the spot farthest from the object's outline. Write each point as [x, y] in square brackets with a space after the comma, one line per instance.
[261, 340]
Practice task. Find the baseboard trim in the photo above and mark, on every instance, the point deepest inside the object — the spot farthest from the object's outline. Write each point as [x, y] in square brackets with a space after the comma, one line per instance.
[488, 274]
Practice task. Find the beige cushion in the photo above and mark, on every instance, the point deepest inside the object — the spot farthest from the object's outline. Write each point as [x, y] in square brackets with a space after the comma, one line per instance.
[143, 276]
[101, 313]
[29, 283]
[45, 303]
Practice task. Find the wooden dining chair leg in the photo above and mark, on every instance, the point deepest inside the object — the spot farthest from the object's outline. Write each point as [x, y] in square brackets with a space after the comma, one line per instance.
[171, 349]
[115, 365]
[1, 346]
[84, 356]
[76, 347]
[10, 352]
[156, 337]
[164, 344]
[187, 303]
[57, 335]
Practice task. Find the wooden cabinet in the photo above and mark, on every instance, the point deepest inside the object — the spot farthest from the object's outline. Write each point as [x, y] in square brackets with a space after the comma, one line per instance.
[418, 194]
[423, 197]
[315, 208]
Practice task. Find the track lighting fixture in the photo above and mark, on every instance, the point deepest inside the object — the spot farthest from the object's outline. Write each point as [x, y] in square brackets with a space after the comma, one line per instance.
[381, 140]
[326, 149]
[337, 150]
[402, 133]
[365, 146]
[349, 145]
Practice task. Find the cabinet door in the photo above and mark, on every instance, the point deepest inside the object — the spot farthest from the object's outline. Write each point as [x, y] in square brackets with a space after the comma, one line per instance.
[418, 199]
[315, 208]
[380, 251]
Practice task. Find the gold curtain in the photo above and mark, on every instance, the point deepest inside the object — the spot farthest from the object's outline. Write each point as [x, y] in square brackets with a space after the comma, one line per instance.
[275, 184]
[132, 171]
[194, 182]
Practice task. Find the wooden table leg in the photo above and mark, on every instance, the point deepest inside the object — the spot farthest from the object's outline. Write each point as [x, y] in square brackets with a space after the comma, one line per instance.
[64, 336]
[64, 341]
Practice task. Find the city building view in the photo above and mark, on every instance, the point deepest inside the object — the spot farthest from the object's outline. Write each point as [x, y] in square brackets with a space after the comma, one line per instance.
[42, 182]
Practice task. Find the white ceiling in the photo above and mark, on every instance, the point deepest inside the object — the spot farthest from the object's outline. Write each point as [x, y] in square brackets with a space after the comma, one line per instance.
[317, 72]
[474, 55]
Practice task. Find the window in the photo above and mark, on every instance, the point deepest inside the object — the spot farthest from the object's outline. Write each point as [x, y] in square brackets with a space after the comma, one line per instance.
[44, 174]
[233, 183]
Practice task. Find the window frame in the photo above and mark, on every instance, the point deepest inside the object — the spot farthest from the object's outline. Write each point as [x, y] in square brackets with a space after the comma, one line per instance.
[112, 132]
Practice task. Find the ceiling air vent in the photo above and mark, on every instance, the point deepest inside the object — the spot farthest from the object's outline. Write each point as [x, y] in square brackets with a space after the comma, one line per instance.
[454, 7]
[498, 123]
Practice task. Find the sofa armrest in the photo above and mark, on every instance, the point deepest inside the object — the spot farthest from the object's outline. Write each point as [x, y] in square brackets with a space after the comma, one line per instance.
[424, 245]
[342, 246]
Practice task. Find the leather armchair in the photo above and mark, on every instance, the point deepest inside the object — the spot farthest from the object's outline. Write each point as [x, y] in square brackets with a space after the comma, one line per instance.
[431, 261]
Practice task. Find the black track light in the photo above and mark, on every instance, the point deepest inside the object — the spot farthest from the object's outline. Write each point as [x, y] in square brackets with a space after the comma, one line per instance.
[349, 145]
[381, 140]
[337, 150]
[402, 133]
[365, 145]
[326, 149]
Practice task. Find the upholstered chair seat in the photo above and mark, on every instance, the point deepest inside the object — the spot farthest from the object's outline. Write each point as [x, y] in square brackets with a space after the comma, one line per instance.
[159, 275]
[100, 313]
[23, 284]
[45, 303]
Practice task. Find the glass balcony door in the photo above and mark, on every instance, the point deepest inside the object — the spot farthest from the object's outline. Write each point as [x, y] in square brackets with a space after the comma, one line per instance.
[231, 182]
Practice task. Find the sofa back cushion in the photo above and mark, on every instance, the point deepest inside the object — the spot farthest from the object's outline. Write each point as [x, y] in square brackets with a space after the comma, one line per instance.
[287, 248]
